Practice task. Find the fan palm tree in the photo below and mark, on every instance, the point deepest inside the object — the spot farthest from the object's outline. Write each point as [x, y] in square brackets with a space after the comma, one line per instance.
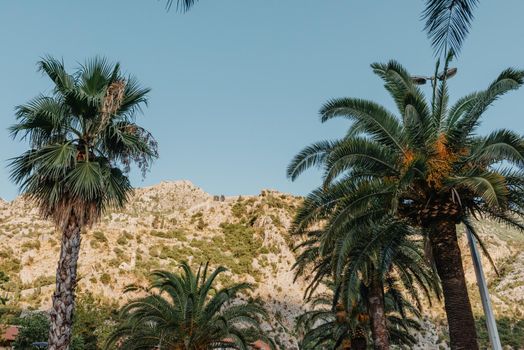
[186, 312]
[428, 166]
[82, 140]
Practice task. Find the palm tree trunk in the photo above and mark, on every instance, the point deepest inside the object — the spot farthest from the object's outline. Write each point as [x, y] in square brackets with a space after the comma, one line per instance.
[358, 343]
[377, 316]
[64, 296]
[448, 260]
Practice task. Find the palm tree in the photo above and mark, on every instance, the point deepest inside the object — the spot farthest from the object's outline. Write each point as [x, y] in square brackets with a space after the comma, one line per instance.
[186, 312]
[327, 328]
[348, 327]
[428, 166]
[366, 259]
[375, 261]
[82, 141]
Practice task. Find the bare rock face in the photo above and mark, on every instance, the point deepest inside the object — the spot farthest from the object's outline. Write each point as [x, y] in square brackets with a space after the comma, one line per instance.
[171, 222]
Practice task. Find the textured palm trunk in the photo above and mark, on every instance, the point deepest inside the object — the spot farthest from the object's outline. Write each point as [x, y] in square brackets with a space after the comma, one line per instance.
[377, 315]
[446, 253]
[358, 343]
[64, 296]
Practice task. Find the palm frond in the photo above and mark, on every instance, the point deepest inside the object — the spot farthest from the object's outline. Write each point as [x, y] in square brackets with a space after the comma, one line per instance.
[368, 117]
[489, 186]
[361, 154]
[55, 70]
[464, 123]
[500, 145]
[408, 97]
[181, 5]
[448, 23]
[311, 156]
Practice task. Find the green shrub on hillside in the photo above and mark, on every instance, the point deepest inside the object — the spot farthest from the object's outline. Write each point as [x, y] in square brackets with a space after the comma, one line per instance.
[120, 254]
[8, 263]
[122, 240]
[100, 236]
[33, 328]
[201, 224]
[40, 281]
[240, 208]
[105, 278]
[177, 234]
[241, 240]
[94, 320]
[511, 332]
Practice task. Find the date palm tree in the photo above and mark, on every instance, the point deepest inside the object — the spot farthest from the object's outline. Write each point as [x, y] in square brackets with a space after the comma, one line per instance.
[325, 327]
[348, 327]
[184, 311]
[430, 167]
[83, 139]
[377, 261]
[365, 262]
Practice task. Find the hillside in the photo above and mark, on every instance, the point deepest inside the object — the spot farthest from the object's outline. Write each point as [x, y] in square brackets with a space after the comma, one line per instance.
[174, 221]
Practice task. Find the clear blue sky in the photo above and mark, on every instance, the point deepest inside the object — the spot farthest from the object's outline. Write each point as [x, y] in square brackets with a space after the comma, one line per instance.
[237, 83]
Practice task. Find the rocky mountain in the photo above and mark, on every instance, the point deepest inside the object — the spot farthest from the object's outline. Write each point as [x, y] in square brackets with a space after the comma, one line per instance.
[175, 221]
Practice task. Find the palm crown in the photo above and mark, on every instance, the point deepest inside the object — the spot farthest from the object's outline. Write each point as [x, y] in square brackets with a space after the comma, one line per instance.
[429, 155]
[185, 311]
[83, 139]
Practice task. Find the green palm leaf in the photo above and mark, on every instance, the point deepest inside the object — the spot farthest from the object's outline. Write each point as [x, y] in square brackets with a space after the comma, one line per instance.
[448, 23]
[181, 5]
[367, 117]
[489, 186]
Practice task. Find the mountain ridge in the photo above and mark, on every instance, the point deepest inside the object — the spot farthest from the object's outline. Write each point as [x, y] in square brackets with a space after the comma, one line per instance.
[173, 221]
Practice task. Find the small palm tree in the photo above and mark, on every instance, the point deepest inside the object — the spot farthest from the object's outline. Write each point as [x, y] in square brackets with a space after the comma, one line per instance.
[427, 166]
[365, 259]
[324, 327]
[376, 261]
[185, 312]
[348, 327]
[82, 141]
